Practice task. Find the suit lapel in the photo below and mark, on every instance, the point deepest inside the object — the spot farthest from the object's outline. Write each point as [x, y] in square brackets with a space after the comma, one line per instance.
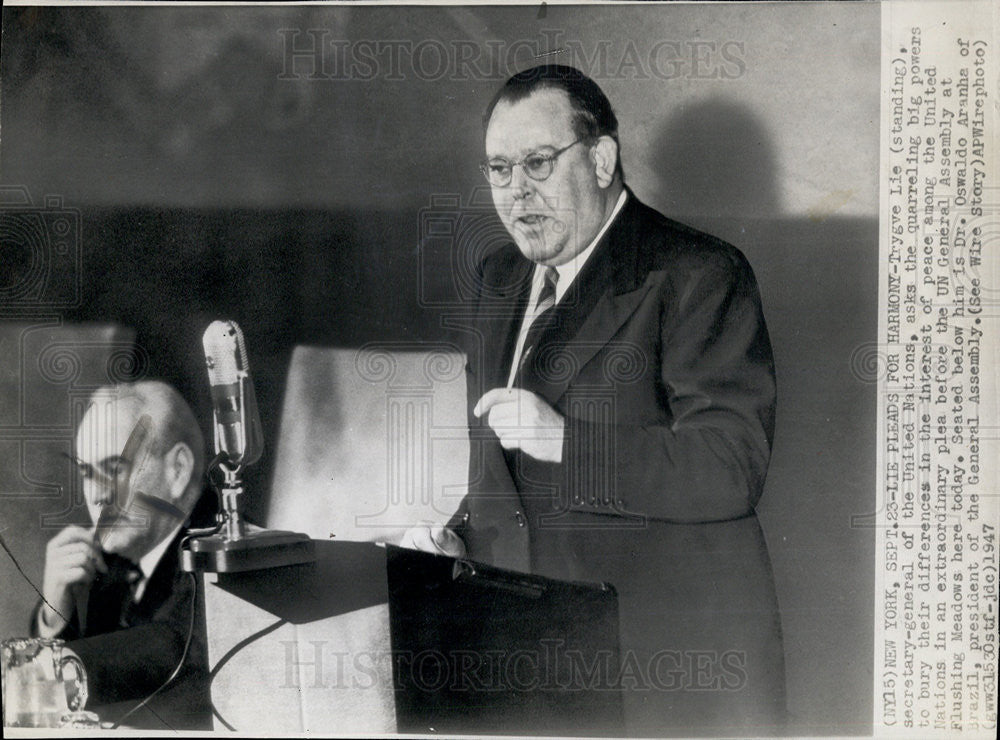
[566, 357]
[109, 599]
[161, 582]
[502, 304]
[605, 294]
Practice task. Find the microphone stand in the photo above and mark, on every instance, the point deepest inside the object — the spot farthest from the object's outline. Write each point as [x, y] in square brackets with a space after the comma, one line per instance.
[236, 545]
[241, 546]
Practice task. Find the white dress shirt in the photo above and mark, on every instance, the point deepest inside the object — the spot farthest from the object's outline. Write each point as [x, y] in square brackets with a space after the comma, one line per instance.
[149, 561]
[567, 274]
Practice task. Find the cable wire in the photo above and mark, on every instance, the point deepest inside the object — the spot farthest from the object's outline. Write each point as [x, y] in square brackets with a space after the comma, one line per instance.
[229, 656]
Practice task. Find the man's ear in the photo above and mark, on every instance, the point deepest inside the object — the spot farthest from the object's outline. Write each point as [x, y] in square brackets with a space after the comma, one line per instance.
[178, 469]
[605, 155]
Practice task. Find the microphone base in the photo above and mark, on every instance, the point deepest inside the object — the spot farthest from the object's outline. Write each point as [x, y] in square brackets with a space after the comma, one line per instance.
[257, 549]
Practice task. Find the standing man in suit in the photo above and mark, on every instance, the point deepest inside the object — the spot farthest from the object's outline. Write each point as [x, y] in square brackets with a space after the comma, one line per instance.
[114, 590]
[621, 407]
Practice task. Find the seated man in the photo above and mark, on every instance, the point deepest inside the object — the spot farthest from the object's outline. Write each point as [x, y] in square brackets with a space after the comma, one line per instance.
[114, 590]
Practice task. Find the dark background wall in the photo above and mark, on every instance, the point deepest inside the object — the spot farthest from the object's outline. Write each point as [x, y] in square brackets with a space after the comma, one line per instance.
[213, 176]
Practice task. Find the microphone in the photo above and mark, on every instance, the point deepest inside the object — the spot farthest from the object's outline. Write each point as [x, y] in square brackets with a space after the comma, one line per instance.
[235, 544]
[234, 406]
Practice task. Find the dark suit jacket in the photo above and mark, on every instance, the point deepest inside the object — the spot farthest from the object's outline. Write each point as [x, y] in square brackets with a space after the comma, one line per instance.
[659, 359]
[129, 652]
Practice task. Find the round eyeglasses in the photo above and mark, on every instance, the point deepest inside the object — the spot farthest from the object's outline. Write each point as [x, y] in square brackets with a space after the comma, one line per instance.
[537, 165]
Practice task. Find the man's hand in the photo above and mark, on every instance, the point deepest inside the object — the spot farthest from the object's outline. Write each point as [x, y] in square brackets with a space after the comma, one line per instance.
[522, 420]
[72, 560]
[433, 538]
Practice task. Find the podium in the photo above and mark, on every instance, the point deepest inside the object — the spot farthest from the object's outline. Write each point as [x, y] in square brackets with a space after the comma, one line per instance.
[379, 640]
[478, 649]
[303, 648]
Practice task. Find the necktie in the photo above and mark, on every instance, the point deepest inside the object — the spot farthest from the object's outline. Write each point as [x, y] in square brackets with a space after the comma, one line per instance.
[111, 595]
[542, 316]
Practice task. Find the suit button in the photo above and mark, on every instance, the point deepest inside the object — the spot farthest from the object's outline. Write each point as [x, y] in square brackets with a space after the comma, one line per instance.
[519, 518]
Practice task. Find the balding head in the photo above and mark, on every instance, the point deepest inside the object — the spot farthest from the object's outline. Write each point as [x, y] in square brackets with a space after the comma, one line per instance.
[141, 453]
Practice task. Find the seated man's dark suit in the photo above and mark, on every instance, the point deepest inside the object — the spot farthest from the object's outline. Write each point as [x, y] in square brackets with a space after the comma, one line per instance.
[129, 648]
[659, 359]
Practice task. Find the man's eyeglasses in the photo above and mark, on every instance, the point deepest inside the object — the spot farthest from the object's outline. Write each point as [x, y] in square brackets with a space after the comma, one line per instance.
[108, 472]
[105, 474]
[537, 166]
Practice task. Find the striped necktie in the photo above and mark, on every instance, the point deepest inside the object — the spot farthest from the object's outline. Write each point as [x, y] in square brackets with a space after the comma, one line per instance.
[542, 316]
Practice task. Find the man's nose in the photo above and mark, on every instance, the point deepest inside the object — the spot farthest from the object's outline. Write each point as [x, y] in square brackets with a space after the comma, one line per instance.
[521, 186]
[100, 491]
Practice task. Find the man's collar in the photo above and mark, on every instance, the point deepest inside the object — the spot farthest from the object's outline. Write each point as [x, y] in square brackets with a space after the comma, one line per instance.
[569, 270]
[149, 561]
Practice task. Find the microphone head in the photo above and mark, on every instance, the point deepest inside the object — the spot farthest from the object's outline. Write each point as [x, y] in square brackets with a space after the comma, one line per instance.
[224, 352]
[237, 420]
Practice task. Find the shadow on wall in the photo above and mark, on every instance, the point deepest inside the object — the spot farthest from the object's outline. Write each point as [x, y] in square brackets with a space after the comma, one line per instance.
[818, 282]
[716, 157]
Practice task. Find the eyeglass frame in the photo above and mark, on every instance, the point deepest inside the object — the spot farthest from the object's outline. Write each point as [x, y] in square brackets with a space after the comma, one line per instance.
[121, 471]
[484, 166]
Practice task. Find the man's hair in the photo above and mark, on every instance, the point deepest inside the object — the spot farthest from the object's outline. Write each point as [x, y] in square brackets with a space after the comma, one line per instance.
[172, 420]
[592, 114]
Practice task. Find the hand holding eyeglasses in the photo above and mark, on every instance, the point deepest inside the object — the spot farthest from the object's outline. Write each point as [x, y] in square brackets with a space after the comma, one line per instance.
[73, 559]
